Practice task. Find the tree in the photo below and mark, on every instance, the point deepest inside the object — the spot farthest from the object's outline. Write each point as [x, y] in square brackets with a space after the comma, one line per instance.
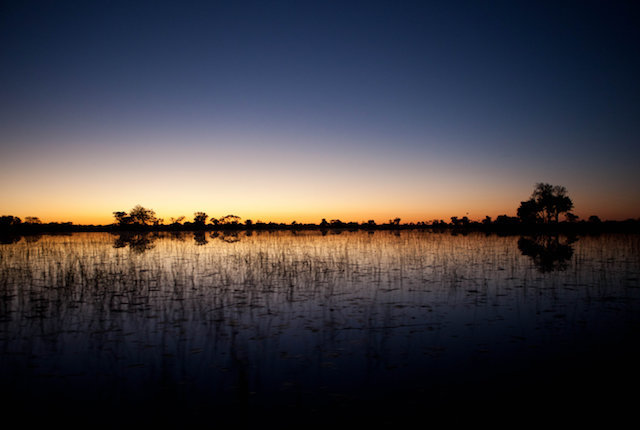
[9, 221]
[571, 217]
[528, 212]
[122, 218]
[505, 220]
[229, 219]
[200, 218]
[552, 200]
[32, 220]
[546, 204]
[177, 221]
[461, 222]
[142, 216]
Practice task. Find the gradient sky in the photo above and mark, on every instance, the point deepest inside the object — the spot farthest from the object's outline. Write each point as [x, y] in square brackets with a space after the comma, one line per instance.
[301, 110]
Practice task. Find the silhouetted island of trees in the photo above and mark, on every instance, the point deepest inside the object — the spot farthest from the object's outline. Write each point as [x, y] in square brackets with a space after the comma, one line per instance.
[541, 213]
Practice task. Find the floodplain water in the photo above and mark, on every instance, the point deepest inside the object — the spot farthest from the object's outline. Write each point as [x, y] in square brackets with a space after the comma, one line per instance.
[366, 326]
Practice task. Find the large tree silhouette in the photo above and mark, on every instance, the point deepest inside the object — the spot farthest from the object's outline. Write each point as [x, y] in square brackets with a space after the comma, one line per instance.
[142, 216]
[199, 219]
[546, 204]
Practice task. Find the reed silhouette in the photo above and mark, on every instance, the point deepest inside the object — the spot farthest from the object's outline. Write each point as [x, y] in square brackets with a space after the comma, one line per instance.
[314, 323]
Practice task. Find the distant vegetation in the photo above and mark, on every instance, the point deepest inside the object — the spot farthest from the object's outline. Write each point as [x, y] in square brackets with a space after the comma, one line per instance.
[541, 212]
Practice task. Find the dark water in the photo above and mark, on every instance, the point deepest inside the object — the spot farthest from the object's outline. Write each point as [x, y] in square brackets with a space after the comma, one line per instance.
[309, 328]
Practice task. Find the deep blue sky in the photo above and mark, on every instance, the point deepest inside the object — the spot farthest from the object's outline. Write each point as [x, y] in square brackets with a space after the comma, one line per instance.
[318, 109]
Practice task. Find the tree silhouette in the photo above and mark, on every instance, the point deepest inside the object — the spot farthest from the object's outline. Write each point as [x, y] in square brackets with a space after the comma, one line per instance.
[177, 221]
[142, 216]
[528, 212]
[336, 223]
[229, 219]
[199, 219]
[122, 218]
[7, 221]
[546, 204]
[571, 217]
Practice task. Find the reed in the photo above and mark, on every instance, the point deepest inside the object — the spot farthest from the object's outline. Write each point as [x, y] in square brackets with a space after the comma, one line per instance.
[291, 312]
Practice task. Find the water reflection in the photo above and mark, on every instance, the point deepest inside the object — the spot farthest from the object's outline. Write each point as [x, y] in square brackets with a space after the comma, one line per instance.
[311, 326]
[200, 238]
[8, 239]
[138, 243]
[141, 242]
[228, 237]
[548, 252]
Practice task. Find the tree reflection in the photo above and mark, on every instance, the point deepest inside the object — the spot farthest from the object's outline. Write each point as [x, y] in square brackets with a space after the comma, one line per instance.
[200, 238]
[8, 238]
[138, 243]
[177, 235]
[548, 252]
[230, 237]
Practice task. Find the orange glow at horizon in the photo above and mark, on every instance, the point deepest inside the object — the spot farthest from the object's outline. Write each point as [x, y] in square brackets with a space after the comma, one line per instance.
[86, 184]
[379, 120]
[379, 214]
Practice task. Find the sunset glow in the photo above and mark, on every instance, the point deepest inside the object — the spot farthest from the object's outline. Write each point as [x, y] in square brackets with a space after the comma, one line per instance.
[294, 213]
[283, 111]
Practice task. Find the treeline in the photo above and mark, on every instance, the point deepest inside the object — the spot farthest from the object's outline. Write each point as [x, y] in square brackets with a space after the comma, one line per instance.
[502, 223]
[541, 212]
[33, 224]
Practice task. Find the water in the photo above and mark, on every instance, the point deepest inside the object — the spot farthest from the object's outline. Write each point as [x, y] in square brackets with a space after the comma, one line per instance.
[369, 327]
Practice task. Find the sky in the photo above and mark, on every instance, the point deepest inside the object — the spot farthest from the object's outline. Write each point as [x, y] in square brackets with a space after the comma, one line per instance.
[303, 110]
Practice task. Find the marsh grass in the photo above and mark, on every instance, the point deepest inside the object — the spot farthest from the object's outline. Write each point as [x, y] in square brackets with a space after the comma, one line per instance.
[279, 319]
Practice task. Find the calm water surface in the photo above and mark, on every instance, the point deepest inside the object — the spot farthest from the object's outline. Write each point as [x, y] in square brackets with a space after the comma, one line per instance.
[277, 325]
